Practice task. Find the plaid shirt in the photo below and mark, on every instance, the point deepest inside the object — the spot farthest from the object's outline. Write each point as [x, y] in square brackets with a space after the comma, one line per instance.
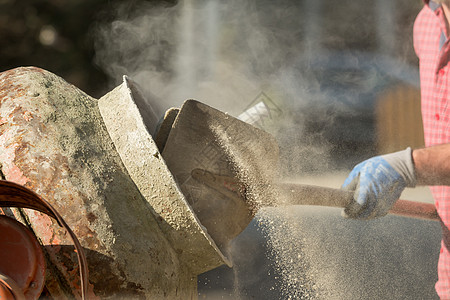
[432, 46]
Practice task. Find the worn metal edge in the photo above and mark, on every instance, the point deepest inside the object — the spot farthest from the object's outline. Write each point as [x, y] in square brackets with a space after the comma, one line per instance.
[185, 232]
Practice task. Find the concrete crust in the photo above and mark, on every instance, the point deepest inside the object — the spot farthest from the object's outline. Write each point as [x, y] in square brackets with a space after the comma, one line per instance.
[148, 170]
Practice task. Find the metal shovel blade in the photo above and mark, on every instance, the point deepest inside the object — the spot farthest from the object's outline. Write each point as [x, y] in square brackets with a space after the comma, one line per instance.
[202, 137]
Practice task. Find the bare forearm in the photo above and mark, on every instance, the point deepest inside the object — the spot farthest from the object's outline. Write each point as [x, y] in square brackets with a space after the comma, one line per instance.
[432, 165]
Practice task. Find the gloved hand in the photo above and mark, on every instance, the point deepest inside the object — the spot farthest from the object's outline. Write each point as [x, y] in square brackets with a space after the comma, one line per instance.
[377, 183]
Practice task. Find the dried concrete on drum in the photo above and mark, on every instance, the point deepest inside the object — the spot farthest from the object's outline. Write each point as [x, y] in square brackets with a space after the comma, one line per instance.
[138, 151]
[53, 140]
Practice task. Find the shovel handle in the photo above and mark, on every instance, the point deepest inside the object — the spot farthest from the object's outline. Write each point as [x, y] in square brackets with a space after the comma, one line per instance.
[415, 209]
[299, 194]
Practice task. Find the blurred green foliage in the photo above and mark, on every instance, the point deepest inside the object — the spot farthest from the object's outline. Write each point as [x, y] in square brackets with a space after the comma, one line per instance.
[55, 35]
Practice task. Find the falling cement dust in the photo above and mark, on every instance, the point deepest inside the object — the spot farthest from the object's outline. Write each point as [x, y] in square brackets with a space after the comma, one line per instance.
[235, 41]
[255, 172]
[296, 281]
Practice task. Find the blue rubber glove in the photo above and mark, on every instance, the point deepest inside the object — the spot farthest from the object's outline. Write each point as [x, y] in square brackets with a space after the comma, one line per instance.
[377, 184]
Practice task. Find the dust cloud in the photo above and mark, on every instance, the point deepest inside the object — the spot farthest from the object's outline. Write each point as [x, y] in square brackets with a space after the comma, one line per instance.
[227, 54]
[222, 53]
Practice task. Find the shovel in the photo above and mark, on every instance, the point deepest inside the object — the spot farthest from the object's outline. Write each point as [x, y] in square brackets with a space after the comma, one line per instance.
[226, 168]
[301, 194]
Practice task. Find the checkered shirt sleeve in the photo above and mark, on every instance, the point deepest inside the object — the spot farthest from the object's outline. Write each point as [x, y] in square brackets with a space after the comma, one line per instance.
[433, 51]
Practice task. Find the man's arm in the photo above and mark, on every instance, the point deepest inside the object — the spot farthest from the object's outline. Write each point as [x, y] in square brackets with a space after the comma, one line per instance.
[432, 165]
[378, 182]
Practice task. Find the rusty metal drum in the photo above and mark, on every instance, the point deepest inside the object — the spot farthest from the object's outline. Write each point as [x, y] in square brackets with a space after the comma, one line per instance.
[53, 140]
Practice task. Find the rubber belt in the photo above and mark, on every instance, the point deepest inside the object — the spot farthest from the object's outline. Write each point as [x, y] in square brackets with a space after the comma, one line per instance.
[15, 195]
